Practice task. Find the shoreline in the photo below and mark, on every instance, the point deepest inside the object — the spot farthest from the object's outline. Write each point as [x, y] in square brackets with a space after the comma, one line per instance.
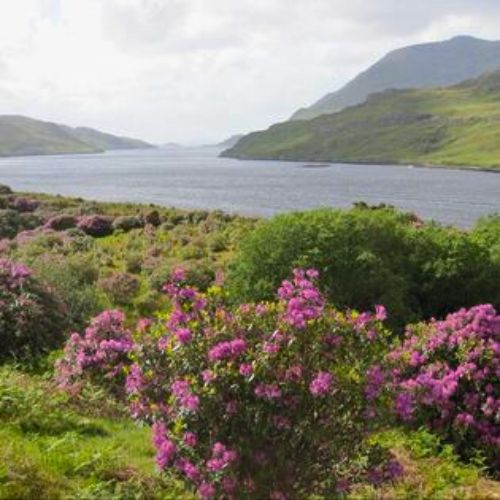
[325, 163]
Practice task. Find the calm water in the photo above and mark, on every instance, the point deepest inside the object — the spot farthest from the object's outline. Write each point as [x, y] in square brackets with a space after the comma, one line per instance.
[196, 178]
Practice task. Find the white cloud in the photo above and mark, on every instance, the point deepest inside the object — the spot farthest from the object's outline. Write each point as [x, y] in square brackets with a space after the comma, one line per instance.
[198, 70]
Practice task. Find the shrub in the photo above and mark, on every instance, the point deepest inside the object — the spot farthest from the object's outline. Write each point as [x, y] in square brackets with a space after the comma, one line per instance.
[128, 222]
[32, 320]
[61, 222]
[134, 262]
[265, 400]
[120, 287]
[99, 355]
[10, 223]
[5, 190]
[96, 225]
[73, 279]
[445, 375]
[368, 256]
[153, 218]
[25, 205]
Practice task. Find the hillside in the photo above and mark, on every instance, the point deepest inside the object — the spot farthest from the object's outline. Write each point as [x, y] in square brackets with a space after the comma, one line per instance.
[230, 141]
[102, 140]
[23, 136]
[417, 66]
[457, 125]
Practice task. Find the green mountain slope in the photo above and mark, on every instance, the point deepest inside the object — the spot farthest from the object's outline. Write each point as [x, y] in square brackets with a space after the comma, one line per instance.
[457, 125]
[417, 66]
[20, 136]
[102, 140]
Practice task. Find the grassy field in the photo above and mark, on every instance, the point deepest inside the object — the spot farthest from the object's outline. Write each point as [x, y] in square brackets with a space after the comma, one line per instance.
[455, 126]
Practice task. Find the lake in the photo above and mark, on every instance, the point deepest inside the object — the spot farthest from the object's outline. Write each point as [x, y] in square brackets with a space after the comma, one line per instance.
[197, 178]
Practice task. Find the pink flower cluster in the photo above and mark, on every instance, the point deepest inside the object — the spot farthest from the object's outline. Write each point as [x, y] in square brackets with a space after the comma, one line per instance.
[321, 384]
[304, 301]
[13, 275]
[100, 353]
[227, 349]
[446, 374]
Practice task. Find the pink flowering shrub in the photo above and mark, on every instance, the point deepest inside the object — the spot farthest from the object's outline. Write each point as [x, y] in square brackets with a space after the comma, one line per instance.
[25, 204]
[267, 400]
[446, 375]
[32, 319]
[99, 355]
[96, 225]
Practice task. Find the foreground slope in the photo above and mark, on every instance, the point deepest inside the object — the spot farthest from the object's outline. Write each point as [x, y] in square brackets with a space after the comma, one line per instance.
[457, 125]
[20, 136]
[417, 66]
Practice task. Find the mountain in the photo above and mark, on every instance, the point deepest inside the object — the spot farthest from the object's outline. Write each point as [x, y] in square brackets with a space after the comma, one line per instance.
[102, 140]
[230, 141]
[23, 136]
[418, 66]
[458, 125]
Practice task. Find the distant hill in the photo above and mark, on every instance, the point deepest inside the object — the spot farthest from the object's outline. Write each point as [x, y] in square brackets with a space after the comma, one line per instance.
[458, 125]
[172, 145]
[417, 66]
[102, 140]
[230, 141]
[23, 136]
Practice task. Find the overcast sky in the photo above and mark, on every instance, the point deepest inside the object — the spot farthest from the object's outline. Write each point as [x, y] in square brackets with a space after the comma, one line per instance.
[197, 71]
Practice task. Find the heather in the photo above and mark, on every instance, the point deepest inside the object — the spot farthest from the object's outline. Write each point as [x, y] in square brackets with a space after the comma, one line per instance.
[191, 360]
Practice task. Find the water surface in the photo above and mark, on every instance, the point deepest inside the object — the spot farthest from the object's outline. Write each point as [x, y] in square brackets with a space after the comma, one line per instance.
[197, 178]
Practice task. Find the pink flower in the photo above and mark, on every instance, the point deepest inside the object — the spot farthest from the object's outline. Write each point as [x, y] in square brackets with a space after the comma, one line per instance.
[246, 369]
[190, 439]
[380, 313]
[206, 491]
[183, 335]
[268, 391]
[321, 384]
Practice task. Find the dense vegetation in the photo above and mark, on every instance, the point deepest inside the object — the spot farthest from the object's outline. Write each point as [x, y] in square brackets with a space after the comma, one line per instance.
[21, 136]
[458, 59]
[221, 376]
[368, 256]
[457, 125]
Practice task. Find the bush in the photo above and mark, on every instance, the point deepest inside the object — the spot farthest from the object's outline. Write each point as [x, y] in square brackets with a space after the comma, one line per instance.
[73, 279]
[32, 320]
[128, 222]
[10, 223]
[96, 225]
[5, 190]
[368, 256]
[61, 222]
[265, 400]
[153, 218]
[99, 355]
[445, 375]
[121, 288]
[25, 205]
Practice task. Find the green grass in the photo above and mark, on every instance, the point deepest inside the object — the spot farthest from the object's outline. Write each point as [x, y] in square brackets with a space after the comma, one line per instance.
[454, 126]
[52, 449]
[432, 470]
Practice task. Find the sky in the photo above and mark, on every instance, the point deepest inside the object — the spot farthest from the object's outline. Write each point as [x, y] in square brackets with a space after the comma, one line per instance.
[198, 71]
